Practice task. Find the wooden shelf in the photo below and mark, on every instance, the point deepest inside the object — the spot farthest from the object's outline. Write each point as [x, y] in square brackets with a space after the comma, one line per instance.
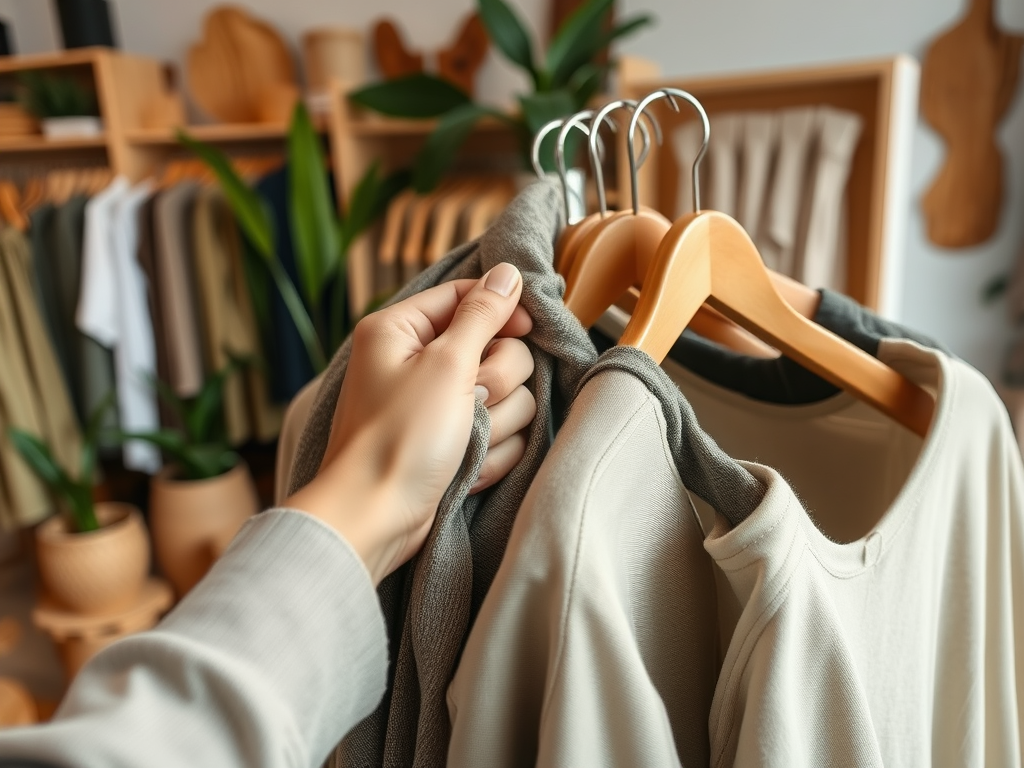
[43, 144]
[75, 57]
[210, 133]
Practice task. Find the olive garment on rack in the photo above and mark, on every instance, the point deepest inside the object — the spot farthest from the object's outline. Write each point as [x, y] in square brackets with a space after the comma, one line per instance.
[431, 602]
[33, 395]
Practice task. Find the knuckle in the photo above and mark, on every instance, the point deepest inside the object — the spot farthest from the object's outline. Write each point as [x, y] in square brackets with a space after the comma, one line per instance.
[367, 330]
[478, 309]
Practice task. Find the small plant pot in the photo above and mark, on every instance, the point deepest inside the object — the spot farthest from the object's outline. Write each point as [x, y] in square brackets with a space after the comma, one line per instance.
[194, 520]
[72, 127]
[99, 571]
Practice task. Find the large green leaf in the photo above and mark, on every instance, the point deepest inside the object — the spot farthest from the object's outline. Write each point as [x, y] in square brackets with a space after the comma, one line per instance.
[576, 41]
[41, 461]
[441, 146]
[509, 34]
[416, 96]
[627, 27]
[250, 210]
[172, 443]
[311, 209]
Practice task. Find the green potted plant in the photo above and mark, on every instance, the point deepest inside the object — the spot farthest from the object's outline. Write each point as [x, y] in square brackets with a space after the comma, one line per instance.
[200, 500]
[564, 81]
[93, 557]
[320, 236]
[65, 107]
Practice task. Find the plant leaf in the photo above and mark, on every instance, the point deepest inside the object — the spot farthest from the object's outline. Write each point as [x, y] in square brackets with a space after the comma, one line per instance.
[87, 465]
[508, 33]
[575, 42]
[585, 83]
[627, 27]
[37, 455]
[415, 96]
[250, 210]
[171, 442]
[370, 199]
[439, 151]
[201, 414]
[541, 108]
[311, 209]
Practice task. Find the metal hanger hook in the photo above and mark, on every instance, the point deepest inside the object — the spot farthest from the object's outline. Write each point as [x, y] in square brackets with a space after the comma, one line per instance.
[559, 159]
[575, 121]
[670, 94]
[595, 159]
[538, 140]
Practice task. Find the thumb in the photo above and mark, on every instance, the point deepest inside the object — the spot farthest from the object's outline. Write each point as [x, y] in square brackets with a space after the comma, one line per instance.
[485, 309]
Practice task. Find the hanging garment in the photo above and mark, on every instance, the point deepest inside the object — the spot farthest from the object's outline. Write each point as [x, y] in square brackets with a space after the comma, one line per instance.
[596, 645]
[430, 602]
[290, 366]
[146, 257]
[724, 161]
[230, 321]
[796, 140]
[172, 226]
[585, 649]
[32, 391]
[93, 371]
[760, 137]
[225, 333]
[44, 284]
[823, 255]
[827, 589]
[113, 310]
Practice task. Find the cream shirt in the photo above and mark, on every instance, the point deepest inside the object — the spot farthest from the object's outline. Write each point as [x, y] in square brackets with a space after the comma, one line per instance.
[874, 623]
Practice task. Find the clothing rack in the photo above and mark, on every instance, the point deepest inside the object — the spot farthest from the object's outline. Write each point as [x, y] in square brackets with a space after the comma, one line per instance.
[882, 92]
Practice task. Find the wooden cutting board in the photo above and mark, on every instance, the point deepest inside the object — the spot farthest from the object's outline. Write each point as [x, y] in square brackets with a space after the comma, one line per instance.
[238, 58]
[968, 81]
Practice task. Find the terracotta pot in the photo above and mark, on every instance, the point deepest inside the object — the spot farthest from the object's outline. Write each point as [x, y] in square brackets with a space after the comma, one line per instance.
[98, 571]
[193, 520]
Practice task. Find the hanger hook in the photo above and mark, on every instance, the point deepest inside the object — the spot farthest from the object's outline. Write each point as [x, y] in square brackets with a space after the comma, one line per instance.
[575, 121]
[538, 140]
[595, 160]
[669, 93]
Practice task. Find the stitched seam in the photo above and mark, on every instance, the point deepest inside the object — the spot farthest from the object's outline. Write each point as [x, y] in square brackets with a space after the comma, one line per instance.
[632, 424]
[750, 642]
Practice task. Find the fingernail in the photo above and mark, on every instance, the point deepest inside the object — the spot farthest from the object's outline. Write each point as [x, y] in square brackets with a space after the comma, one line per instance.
[481, 393]
[502, 279]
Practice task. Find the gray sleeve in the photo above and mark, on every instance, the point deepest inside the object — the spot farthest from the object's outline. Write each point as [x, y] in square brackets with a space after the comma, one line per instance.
[269, 661]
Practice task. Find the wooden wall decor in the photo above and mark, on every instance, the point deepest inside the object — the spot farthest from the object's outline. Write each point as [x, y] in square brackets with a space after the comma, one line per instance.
[968, 81]
[238, 62]
[457, 63]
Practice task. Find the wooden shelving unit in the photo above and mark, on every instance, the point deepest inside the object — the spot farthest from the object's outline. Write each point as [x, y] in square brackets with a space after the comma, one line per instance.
[42, 144]
[358, 139]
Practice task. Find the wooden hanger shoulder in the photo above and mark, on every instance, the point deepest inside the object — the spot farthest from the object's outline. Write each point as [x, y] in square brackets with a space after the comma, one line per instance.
[709, 257]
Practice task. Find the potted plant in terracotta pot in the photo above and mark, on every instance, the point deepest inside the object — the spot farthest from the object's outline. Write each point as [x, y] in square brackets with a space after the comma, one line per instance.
[93, 557]
[201, 499]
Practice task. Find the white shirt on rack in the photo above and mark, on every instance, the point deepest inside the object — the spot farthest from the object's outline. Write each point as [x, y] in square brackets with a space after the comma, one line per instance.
[113, 309]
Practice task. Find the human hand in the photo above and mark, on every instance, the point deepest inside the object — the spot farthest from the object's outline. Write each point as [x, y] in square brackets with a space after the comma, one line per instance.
[403, 419]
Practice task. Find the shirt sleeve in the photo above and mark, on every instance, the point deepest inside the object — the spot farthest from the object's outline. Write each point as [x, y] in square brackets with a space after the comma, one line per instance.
[269, 661]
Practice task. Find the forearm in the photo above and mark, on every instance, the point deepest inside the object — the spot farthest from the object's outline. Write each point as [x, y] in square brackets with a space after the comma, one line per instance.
[269, 661]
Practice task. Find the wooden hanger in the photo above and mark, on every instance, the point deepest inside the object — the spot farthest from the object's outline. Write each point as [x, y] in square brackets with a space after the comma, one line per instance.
[707, 257]
[394, 225]
[10, 209]
[486, 208]
[415, 243]
[446, 218]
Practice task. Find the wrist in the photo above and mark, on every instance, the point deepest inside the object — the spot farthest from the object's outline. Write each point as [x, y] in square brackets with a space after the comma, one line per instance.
[358, 506]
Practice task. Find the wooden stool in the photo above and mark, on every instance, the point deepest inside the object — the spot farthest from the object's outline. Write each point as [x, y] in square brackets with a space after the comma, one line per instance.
[79, 638]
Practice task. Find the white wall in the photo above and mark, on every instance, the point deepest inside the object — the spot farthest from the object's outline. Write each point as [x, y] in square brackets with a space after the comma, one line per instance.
[941, 289]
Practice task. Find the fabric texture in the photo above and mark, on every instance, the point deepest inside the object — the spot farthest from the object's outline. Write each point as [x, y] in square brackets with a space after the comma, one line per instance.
[276, 653]
[593, 646]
